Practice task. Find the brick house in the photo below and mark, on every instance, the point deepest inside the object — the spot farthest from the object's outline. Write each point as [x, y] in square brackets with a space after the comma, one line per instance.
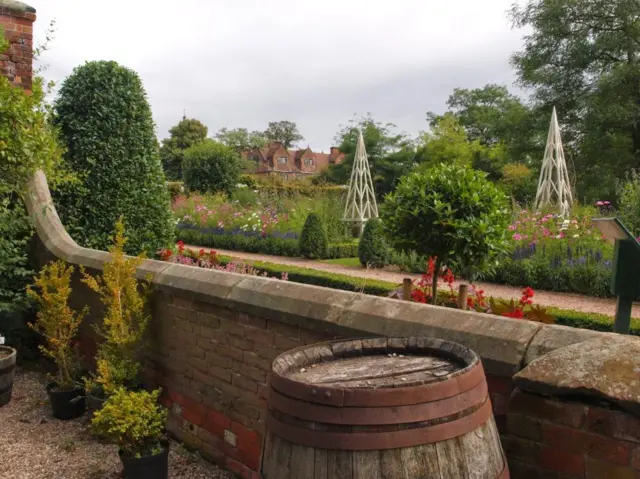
[275, 159]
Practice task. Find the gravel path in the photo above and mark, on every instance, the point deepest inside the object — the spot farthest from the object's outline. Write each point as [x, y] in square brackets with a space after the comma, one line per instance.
[34, 445]
[577, 302]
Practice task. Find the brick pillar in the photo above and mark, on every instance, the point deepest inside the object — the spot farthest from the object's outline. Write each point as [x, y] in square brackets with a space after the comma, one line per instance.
[16, 63]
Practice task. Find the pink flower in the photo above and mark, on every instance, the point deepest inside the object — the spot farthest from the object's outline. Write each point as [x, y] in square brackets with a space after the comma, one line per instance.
[512, 227]
[599, 203]
[517, 236]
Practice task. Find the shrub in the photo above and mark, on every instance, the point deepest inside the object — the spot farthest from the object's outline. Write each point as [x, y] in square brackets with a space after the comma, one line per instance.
[373, 250]
[629, 203]
[56, 321]
[125, 318]
[184, 135]
[211, 166]
[453, 213]
[132, 420]
[175, 189]
[27, 143]
[105, 120]
[313, 239]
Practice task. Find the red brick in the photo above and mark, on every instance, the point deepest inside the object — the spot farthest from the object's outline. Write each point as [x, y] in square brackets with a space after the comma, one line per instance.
[216, 423]
[556, 460]
[524, 427]
[233, 328]
[229, 351]
[560, 412]
[521, 449]
[193, 411]
[208, 320]
[243, 471]
[245, 383]
[635, 459]
[598, 469]
[259, 335]
[499, 385]
[283, 329]
[500, 404]
[285, 343]
[239, 343]
[615, 424]
[252, 359]
[252, 321]
[575, 441]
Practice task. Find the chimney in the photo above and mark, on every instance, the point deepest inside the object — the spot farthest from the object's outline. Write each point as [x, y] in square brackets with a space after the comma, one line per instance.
[275, 144]
[335, 151]
[16, 63]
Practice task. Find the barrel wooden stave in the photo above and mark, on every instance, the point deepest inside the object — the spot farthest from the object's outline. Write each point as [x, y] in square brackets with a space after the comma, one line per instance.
[7, 373]
[475, 453]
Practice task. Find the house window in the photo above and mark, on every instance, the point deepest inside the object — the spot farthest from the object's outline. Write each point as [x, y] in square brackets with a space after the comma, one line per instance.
[282, 161]
[308, 161]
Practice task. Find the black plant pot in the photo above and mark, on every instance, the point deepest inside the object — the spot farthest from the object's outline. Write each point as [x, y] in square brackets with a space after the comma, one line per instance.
[66, 403]
[148, 467]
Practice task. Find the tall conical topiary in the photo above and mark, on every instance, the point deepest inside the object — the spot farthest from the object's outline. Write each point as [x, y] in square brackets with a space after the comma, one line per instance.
[373, 250]
[106, 125]
[313, 240]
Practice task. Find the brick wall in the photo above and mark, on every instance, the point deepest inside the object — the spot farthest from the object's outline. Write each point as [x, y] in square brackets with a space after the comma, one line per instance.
[16, 20]
[549, 438]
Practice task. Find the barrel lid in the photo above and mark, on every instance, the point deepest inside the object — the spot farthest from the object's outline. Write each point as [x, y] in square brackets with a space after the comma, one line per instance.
[385, 370]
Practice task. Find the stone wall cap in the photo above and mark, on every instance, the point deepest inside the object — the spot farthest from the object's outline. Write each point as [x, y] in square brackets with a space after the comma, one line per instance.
[16, 6]
[607, 368]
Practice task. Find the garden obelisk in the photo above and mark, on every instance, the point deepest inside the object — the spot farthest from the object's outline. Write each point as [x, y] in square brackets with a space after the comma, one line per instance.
[554, 188]
[361, 200]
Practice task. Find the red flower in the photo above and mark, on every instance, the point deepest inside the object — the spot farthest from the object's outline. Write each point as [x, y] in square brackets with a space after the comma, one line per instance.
[201, 252]
[516, 314]
[180, 243]
[448, 277]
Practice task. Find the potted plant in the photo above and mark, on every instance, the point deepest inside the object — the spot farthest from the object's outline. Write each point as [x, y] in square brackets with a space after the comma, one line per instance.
[58, 323]
[7, 371]
[134, 421]
[123, 326]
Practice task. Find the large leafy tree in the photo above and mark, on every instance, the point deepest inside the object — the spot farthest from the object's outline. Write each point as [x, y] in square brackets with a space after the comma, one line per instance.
[582, 56]
[492, 115]
[210, 166]
[241, 139]
[105, 123]
[391, 154]
[285, 132]
[182, 136]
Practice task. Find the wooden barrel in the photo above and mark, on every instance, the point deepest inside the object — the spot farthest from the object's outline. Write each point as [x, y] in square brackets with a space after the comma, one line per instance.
[7, 371]
[380, 408]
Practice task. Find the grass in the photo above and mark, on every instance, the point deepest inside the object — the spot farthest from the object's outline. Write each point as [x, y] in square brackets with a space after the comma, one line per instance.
[349, 262]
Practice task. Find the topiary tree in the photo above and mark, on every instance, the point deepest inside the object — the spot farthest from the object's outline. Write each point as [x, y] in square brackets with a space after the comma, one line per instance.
[452, 212]
[373, 249]
[211, 166]
[313, 239]
[105, 122]
[183, 136]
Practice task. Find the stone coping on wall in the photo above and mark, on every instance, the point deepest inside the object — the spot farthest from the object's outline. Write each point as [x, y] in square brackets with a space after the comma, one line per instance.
[13, 6]
[505, 345]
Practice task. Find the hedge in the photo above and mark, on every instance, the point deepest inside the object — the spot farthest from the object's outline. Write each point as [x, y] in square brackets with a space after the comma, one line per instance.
[256, 244]
[565, 317]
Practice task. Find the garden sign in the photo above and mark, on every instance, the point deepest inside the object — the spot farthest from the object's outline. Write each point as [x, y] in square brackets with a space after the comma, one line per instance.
[626, 264]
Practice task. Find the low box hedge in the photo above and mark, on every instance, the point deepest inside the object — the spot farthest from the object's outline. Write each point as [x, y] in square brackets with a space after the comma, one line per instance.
[271, 245]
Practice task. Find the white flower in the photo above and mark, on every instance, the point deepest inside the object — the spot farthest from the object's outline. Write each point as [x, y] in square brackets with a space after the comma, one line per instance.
[576, 236]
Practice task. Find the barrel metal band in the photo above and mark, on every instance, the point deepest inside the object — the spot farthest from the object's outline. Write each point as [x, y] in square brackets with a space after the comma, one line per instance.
[378, 415]
[332, 396]
[370, 441]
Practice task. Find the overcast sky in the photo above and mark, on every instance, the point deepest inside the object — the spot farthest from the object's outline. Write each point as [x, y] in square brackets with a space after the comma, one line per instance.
[242, 63]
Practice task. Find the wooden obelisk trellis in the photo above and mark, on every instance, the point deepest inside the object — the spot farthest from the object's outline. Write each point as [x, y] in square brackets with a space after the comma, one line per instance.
[361, 203]
[554, 188]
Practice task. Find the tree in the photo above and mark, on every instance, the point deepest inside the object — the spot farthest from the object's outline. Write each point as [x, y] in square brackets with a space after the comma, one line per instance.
[182, 136]
[583, 58]
[285, 132]
[105, 122]
[447, 143]
[211, 166]
[391, 155]
[241, 139]
[451, 212]
[491, 115]
[373, 250]
[313, 238]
